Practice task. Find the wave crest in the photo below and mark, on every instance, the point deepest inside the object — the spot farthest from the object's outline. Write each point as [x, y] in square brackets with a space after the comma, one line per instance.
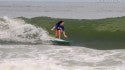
[17, 30]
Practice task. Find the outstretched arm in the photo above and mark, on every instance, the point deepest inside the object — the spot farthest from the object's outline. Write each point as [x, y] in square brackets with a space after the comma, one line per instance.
[64, 34]
[53, 28]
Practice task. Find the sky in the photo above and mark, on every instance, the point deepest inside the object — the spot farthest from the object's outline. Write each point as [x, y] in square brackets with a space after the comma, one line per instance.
[72, 0]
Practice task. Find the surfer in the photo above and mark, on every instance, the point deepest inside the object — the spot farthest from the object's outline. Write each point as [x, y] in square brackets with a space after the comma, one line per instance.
[59, 29]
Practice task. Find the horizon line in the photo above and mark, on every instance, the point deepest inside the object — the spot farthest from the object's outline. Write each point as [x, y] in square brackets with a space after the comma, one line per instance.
[65, 1]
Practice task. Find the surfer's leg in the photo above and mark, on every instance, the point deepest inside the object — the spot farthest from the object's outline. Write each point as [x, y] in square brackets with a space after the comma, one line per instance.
[59, 34]
[56, 33]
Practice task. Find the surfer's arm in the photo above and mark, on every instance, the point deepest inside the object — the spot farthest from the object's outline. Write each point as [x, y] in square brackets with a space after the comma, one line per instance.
[64, 34]
[63, 30]
[53, 28]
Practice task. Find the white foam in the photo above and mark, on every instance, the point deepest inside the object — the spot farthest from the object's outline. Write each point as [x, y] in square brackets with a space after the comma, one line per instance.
[50, 57]
[23, 64]
[19, 65]
[18, 30]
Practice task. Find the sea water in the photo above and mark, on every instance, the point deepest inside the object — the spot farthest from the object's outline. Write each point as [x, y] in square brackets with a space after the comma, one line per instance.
[72, 10]
[26, 47]
[17, 55]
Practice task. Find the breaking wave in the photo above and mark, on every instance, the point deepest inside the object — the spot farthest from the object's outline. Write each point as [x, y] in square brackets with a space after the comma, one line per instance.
[18, 31]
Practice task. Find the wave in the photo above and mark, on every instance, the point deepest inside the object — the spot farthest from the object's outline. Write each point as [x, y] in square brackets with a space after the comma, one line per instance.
[106, 33]
[18, 31]
[51, 57]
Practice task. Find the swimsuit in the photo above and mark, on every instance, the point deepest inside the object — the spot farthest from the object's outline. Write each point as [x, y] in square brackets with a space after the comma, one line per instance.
[59, 27]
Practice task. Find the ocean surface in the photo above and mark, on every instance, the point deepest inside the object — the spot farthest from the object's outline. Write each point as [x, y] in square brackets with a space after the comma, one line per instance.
[26, 47]
[70, 10]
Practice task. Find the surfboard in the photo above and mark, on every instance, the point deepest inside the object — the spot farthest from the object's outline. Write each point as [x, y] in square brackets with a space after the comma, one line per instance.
[60, 42]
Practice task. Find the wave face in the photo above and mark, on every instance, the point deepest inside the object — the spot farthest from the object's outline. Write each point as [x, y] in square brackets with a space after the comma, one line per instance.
[17, 31]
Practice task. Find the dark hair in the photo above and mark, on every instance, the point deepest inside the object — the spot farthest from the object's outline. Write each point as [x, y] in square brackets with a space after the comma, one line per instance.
[60, 22]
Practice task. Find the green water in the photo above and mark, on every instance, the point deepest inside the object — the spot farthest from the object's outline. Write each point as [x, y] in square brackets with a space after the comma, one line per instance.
[98, 34]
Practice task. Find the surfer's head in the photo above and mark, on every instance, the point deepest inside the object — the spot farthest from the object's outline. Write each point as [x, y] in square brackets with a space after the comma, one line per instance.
[61, 22]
